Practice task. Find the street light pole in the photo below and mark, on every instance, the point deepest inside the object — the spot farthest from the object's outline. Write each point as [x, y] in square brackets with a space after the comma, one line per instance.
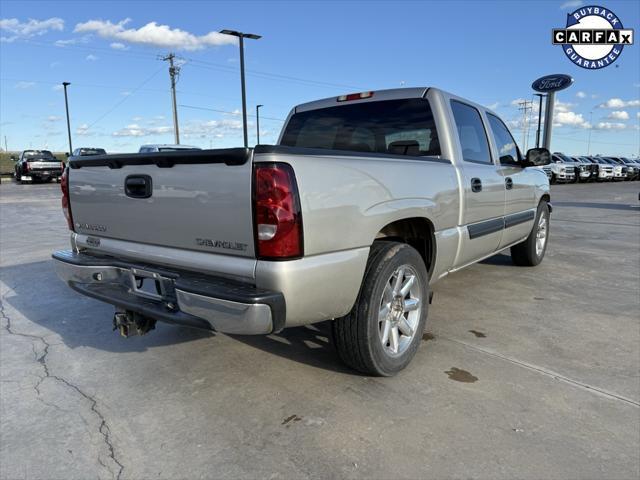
[66, 104]
[242, 36]
[258, 124]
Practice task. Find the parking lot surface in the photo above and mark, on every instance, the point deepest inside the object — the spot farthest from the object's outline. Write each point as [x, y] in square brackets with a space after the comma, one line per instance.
[523, 372]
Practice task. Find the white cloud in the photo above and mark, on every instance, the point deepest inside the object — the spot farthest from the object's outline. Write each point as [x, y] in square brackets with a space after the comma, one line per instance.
[83, 130]
[563, 107]
[24, 85]
[618, 115]
[610, 126]
[571, 119]
[571, 4]
[55, 64]
[119, 46]
[197, 129]
[135, 130]
[154, 35]
[581, 95]
[28, 29]
[125, 93]
[619, 103]
[73, 41]
[57, 88]
[53, 118]
[493, 106]
[91, 58]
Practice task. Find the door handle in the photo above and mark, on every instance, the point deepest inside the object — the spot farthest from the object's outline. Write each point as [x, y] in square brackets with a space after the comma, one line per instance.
[508, 183]
[476, 185]
[138, 186]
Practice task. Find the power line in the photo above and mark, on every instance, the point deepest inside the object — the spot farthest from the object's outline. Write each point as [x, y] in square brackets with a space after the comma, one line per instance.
[262, 117]
[124, 99]
[202, 64]
[272, 76]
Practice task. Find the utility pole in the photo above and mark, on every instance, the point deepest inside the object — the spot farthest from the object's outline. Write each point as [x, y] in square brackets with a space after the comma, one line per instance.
[66, 104]
[173, 74]
[258, 124]
[6, 149]
[525, 106]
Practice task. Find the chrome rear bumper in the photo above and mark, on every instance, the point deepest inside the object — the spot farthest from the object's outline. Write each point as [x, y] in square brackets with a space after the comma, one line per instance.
[185, 298]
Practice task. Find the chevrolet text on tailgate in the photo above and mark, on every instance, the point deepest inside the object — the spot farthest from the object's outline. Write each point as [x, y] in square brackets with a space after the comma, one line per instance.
[365, 201]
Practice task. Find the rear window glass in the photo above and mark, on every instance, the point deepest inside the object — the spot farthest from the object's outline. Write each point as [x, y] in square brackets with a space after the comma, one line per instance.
[398, 127]
[38, 155]
[92, 151]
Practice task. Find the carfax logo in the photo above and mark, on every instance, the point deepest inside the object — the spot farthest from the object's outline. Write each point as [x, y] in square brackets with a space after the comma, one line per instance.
[593, 38]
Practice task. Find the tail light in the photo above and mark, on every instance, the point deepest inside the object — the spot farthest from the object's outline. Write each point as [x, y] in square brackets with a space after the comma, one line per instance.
[66, 203]
[276, 212]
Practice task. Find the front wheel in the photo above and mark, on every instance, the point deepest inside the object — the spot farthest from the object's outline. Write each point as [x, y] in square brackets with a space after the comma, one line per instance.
[383, 331]
[531, 252]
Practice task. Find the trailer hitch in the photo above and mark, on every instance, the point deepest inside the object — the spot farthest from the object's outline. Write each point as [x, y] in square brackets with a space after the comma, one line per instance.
[130, 323]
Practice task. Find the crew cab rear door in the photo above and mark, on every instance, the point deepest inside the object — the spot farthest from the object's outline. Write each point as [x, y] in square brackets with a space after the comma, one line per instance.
[483, 188]
[520, 184]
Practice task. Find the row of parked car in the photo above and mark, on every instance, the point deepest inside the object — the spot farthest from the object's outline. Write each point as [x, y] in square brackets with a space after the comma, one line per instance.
[42, 165]
[566, 169]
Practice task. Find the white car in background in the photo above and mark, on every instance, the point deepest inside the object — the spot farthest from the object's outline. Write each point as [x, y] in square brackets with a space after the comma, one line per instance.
[165, 147]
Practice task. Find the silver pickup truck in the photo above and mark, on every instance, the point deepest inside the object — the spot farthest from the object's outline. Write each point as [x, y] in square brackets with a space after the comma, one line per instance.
[366, 201]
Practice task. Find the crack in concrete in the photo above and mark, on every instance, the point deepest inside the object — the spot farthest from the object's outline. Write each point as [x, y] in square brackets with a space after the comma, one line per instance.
[103, 429]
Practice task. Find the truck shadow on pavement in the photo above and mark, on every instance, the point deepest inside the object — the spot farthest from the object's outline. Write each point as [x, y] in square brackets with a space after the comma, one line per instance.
[39, 303]
[311, 345]
[39, 297]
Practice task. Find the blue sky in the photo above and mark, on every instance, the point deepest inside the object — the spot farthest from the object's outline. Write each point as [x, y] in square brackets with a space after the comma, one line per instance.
[489, 52]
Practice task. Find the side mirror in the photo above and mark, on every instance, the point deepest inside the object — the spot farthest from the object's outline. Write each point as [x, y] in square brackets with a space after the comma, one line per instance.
[536, 157]
[66, 154]
[14, 159]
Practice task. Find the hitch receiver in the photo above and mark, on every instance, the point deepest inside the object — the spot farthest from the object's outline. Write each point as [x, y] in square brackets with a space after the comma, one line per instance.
[130, 323]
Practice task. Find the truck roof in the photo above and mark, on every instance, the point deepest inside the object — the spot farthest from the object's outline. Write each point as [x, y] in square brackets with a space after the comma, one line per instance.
[378, 95]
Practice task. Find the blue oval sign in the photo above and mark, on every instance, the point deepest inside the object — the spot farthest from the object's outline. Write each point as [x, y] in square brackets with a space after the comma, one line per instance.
[552, 83]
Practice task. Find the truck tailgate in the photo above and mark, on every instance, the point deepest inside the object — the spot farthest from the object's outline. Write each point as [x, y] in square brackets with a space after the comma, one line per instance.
[197, 200]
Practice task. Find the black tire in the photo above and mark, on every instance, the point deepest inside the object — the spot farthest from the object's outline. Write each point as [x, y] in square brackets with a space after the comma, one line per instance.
[357, 335]
[524, 254]
[553, 180]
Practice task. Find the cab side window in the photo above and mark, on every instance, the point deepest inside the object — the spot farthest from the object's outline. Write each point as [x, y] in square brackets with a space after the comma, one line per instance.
[473, 138]
[508, 153]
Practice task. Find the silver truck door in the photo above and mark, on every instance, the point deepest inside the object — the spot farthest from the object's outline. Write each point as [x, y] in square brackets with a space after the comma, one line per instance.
[520, 186]
[482, 218]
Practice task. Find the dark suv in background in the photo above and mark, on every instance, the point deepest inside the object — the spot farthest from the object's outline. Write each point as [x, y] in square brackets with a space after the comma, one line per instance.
[86, 151]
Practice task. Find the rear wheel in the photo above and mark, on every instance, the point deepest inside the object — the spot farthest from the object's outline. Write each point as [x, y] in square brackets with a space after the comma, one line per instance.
[531, 252]
[383, 331]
